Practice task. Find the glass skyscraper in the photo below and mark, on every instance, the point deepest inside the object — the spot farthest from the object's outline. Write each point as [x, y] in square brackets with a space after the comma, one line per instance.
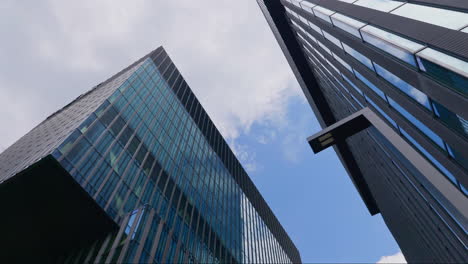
[134, 171]
[407, 61]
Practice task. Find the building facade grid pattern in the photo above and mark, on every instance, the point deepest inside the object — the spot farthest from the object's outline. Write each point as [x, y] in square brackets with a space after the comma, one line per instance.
[145, 150]
[370, 54]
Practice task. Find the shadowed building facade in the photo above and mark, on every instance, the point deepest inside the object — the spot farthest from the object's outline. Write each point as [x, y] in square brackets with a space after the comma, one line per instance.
[134, 171]
[406, 61]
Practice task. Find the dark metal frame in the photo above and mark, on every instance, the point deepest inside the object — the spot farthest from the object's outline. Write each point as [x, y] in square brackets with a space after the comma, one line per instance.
[434, 180]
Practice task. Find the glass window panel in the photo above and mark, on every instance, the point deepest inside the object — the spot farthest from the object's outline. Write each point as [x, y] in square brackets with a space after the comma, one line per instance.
[306, 33]
[409, 90]
[446, 69]
[348, 1]
[134, 145]
[303, 19]
[397, 46]
[459, 158]
[121, 103]
[333, 66]
[413, 120]
[331, 38]
[429, 157]
[85, 125]
[67, 144]
[114, 152]
[114, 96]
[340, 60]
[95, 131]
[324, 47]
[108, 116]
[315, 28]
[296, 2]
[117, 126]
[78, 151]
[141, 154]
[352, 84]
[101, 108]
[307, 6]
[125, 136]
[382, 112]
[451, 119]
[358, 56]
[370, 85]
[323, 13]
[347, 24]
[436, 16]
[464, 190]
[380, 5]
[292, 13]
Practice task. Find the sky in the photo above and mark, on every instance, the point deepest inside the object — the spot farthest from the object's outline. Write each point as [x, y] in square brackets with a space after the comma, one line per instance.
[54, 50]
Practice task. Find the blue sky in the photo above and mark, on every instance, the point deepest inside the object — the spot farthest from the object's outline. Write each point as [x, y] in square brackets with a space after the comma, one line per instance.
[314, 198]
[228, 55]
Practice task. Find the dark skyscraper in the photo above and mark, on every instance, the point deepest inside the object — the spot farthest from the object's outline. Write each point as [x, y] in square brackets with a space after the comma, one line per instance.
[134, 171]
[407, 61]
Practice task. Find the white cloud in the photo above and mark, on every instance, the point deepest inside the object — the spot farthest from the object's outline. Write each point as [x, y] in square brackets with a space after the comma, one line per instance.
[295, 138]
[224, 49]
[245, 155]
[397, 258]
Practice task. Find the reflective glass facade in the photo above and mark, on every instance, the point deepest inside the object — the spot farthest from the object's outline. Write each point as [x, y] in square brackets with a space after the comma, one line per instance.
[151, 158]
[351, 54]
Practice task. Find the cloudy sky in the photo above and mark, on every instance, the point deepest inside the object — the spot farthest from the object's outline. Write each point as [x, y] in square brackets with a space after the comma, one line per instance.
[54, 50]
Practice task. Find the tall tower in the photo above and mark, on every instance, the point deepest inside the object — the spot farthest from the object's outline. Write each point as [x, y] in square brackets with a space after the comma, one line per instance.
[407, 61]
[134, 171]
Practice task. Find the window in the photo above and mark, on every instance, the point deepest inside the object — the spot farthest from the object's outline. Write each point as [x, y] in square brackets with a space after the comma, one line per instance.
[370, 85]
[67, 144]
[333, 66]
[101, 108]
[78, 150]
[358, 56]
[303, 20]
[113, 154]
[347, 24]
[108, 116]
[134, 145]
[323, 13]
[397, 46]
[414, 121]
[307, 6]
[382, 112]
[444, 68]
[436, 16]
[340, 60]
[85, 125]
[296, 2]
[379, 5]
[451, 119]
[315, 28]
[324, 47]
[348, 1]
[104, 142]
[125, 136]
[117, 126]
[121, 103]
[353, 85]
[429, 157]
[114, 96]
[459, 158]
[141, 154]
[331, 38]
[403, 86]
